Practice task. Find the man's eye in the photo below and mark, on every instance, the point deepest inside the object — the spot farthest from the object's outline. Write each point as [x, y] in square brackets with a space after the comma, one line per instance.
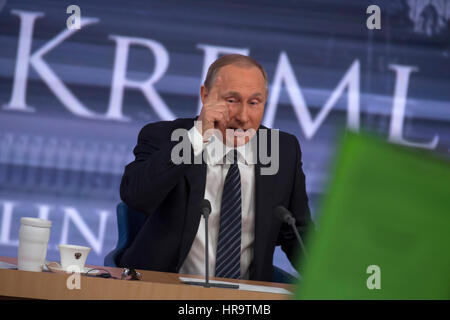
[231, 100]
[254, 103]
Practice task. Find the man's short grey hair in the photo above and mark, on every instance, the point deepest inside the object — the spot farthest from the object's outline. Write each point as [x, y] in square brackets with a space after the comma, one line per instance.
[235, 59]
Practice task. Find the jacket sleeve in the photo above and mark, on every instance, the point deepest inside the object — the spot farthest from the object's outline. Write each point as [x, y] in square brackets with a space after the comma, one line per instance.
[299, 207]
[150, 177]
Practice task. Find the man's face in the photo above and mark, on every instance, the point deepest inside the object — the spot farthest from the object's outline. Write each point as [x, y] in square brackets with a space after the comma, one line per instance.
[244, 92]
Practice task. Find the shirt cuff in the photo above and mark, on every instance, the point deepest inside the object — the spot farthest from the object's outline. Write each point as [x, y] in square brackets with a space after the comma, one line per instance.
[196, 139]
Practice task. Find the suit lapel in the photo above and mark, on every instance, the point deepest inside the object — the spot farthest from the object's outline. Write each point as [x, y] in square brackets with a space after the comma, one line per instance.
[196, 181]
[195, 192]
[263, 214]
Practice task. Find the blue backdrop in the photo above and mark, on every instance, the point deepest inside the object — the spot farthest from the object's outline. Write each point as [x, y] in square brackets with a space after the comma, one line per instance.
[72, 101]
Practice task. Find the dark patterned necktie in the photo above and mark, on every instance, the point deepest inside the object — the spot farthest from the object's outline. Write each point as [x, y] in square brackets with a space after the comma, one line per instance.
[228, 256]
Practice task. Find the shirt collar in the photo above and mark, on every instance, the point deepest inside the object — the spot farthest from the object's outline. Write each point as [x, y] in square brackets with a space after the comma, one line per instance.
[219, 153]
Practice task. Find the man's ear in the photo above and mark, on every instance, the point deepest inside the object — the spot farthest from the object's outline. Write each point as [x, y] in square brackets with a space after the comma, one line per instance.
[203, 93]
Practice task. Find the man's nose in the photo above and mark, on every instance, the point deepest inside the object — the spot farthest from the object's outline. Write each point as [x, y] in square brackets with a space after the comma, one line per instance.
[242, 113]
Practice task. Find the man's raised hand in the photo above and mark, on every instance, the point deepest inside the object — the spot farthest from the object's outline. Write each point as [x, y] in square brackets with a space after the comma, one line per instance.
[214, 113]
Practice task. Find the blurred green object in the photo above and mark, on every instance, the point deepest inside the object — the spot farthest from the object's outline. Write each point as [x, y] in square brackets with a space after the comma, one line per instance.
[387, 207]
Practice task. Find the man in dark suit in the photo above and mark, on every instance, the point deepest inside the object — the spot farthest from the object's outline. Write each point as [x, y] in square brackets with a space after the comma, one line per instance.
[243, 230]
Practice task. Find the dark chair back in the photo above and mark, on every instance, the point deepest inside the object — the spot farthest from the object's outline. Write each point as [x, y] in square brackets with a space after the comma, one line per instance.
[129, 222]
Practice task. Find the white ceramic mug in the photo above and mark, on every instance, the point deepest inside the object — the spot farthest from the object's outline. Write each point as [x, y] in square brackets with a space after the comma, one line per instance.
[34, 234]
[72, 255]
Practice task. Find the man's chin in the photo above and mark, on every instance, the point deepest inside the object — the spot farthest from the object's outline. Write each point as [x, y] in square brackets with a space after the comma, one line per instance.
[237, 141]
[236, 138]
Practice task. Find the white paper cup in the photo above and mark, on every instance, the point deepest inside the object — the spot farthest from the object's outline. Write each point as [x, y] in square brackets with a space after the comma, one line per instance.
[34, 234]
[73, 256]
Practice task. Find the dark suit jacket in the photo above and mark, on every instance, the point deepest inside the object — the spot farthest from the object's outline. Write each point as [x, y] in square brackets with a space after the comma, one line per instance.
[170, 195]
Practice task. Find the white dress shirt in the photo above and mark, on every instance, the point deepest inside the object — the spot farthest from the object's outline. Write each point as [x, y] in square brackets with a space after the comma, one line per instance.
[217, 168]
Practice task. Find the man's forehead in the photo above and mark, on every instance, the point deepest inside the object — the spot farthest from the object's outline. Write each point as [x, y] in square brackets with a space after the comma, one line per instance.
[256, 94]
[236, 78]
[235, 71]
